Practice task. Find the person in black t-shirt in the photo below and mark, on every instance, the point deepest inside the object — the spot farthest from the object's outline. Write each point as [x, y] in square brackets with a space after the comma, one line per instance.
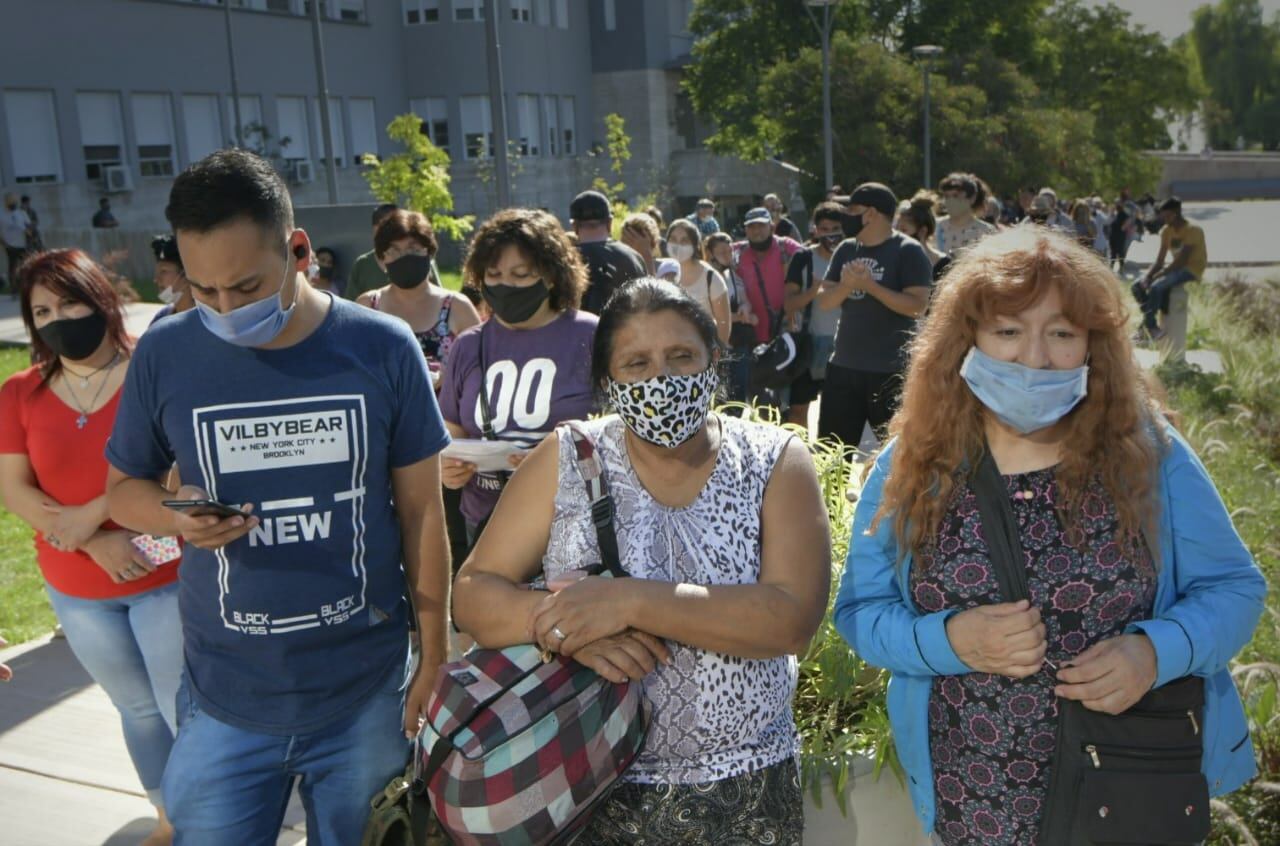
[610, 263]
[881, 283]
[783, 226]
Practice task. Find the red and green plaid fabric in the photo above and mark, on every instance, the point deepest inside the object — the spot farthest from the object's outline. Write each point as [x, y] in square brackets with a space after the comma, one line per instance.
[529, 747]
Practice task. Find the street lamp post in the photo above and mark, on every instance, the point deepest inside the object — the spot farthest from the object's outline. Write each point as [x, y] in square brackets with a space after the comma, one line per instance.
[497, 101]
[235, 83]
[326, 118]
[928, 52]
[824, 32]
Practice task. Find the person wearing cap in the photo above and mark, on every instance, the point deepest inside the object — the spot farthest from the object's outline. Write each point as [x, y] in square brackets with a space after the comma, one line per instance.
[610, 263]
[880, 280]
[762, 261]
[172, 287]
[704, 217]
[1190, 257]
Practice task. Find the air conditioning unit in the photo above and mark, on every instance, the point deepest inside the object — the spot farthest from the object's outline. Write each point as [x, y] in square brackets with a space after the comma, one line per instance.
[116, 179]
[301, 171]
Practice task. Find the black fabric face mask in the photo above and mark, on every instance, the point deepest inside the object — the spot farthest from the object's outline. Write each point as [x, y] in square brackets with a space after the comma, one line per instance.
[409, 271]
[75, 339]
[761, 246]
[515, 305]
[851, 224]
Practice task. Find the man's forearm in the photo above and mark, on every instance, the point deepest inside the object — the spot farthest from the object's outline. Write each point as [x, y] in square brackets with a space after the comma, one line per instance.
[901, 302]
[427, 568]
[135, 504]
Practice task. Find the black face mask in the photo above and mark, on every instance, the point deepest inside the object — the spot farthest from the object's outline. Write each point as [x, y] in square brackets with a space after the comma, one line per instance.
[75, 339]
[409, 271]
[851, 224]
[515, 305]
[325, 272]
[761, 246]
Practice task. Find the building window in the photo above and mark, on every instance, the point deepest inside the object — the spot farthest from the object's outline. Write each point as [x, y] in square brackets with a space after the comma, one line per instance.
[101, 132]
[610, 15]
[252, 128]
[421, 11]
[477, 130]
[434, 112]
[153, 130]
[337, 10]
[551, 115]
[364, 127]
[201, 126]
[568, 123]
[335, 130]
[542, 12]
[33, 136]
[468, 10]
[527, 125]
[522, 10]
[562, 13]
[291, 114]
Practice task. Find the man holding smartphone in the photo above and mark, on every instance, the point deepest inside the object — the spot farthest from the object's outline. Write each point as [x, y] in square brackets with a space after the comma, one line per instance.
[314, 418]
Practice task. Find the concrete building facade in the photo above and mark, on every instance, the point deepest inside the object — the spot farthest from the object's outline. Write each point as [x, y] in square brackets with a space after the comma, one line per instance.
[114, 97]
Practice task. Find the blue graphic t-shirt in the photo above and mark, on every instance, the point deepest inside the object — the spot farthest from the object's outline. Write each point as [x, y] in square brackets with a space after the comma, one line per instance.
[295, 624]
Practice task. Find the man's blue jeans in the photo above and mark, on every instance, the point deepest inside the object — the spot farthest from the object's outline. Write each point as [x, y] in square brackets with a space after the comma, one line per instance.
[132, 647]
[229, 785]
[1157, 296]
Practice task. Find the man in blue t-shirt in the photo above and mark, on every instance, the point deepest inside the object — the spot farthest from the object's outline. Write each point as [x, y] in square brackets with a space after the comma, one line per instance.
[316, 417]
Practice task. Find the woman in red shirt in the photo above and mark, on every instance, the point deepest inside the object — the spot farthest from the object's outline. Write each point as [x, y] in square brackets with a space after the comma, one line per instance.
[119, 610]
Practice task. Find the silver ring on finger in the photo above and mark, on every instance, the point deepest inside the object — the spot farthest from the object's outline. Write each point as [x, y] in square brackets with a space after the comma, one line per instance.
[560, 636]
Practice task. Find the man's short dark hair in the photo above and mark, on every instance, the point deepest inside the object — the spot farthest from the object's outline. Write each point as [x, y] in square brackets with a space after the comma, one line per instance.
[828, 211]
[229, 185]
[383, 212]
[102, 201]
[1173, 204]
[26, 198]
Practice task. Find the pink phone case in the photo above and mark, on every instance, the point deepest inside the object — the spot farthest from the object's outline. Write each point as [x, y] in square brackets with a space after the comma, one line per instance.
[158, 550]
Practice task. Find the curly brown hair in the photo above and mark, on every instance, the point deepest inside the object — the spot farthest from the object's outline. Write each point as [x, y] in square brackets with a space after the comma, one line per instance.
[540, 238]
[1115, 435]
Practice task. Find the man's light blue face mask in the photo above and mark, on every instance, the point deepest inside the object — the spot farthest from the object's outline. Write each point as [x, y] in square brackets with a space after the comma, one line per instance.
[257, 323]
[1024, 398]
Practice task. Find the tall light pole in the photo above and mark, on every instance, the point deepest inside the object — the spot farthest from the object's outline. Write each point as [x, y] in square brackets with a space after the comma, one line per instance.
[235, 83]
[326, 119]
[497, 101]
[928, 52]
[824, 32]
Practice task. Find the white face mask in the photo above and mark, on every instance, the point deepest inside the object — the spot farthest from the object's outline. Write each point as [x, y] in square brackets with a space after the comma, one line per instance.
[680, 252]
[168, 296]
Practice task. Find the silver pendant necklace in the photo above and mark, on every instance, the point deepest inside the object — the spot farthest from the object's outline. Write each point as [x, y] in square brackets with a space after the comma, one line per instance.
[84, 379]
[83, 419]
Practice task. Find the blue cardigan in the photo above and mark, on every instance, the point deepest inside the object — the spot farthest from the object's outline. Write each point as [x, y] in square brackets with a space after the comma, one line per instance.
[1209, 597]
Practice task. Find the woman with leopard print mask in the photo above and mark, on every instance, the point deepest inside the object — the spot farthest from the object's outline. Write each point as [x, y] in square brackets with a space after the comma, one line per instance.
[720, 521]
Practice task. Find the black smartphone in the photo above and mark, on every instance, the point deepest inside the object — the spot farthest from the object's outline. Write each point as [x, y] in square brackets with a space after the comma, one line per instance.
[203, 507]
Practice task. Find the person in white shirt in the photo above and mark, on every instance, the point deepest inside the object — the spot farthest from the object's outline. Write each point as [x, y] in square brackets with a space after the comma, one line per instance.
[15, 228]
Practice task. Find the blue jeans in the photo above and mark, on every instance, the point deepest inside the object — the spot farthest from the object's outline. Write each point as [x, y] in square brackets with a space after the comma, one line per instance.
[229, 785]
[132, 647]
[1157, 296]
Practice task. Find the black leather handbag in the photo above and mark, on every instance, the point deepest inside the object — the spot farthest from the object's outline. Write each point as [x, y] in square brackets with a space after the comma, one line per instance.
[1131, 778]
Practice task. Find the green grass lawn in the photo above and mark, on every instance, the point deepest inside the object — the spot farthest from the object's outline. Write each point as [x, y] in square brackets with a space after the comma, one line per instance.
[24, 610]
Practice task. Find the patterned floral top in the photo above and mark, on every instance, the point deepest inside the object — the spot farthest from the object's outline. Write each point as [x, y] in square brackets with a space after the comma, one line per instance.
[992, 737]
[714, 716]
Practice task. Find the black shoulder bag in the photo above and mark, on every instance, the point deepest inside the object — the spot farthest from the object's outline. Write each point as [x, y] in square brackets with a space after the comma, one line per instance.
[778, 363]
[1131, 778]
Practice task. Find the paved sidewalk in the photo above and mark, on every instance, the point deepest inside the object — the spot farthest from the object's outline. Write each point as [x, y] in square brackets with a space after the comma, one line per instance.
[65, 777]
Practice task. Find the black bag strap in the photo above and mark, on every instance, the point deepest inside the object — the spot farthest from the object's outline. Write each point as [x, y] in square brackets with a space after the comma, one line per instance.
[775, 323]
[486, 416]
[1000, 528]
[591, 468]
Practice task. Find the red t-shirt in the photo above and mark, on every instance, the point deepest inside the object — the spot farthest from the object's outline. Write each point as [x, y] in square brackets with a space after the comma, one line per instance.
[772, 265]
[70, 466]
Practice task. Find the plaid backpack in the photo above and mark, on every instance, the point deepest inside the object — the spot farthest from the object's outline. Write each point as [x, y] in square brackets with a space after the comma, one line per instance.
[521, 746]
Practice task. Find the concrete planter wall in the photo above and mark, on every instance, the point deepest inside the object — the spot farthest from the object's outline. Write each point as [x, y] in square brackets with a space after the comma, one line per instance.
[879, 812]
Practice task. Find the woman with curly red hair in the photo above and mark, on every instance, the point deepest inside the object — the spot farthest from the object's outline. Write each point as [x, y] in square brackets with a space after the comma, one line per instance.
[1135, 574]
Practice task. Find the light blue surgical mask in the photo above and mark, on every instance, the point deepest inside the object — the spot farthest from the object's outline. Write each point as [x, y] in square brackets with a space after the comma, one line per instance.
[1024, 398]
[255, 324]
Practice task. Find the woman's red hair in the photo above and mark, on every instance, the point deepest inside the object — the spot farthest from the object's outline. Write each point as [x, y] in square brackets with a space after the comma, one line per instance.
[1114, 435]
[72, 274]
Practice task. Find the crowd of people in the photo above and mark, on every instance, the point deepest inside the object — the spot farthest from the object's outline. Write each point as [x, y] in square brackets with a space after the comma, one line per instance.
[294, 447]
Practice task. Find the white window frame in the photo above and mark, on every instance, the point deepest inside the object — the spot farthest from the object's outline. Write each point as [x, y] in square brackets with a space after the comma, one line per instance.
[250, 113]
[153, 134]
[33, 136]
[569, 125]
[610, 15]
[335, 131]
[468, 11]
[529, 125]
[473, 108]
[426, 12]
[551, 119]
[363, 114]
[292, 121]
[542, 12]
[521, 11]
[434, 112]
[207, 107]
[102, 140]
[562, 14]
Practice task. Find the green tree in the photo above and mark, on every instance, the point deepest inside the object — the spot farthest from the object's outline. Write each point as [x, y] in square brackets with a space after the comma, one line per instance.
[1239, 57]
[417, 178]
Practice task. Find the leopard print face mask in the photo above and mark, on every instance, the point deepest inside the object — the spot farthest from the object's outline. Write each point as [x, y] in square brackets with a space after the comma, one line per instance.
[665, 410]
